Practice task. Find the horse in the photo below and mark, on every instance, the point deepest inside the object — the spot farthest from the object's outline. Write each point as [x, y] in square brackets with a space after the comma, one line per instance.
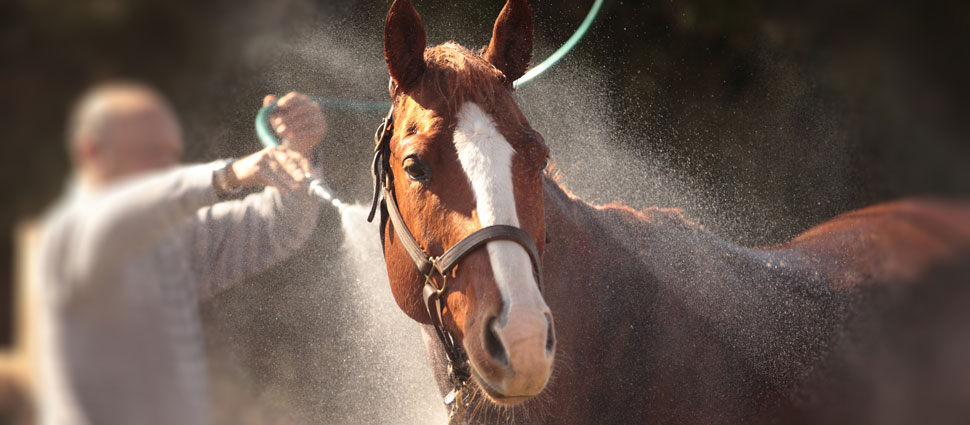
[540, 308]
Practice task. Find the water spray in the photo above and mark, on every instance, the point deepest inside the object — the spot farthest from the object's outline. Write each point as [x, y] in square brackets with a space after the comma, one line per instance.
[268, 137]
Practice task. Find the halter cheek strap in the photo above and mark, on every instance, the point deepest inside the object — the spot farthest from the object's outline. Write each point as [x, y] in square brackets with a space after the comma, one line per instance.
[380, 168]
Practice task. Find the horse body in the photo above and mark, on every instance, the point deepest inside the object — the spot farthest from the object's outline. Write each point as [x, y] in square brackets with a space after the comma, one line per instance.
[660, 321]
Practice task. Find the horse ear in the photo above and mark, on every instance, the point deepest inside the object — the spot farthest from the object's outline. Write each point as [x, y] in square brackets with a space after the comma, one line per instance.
[404, 43]
[511, 47]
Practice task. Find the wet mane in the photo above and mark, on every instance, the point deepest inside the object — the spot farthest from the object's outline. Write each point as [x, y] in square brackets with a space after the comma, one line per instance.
[649, 215]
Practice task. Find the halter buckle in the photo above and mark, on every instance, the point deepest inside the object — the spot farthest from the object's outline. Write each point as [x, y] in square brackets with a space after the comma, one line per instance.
[429, 278]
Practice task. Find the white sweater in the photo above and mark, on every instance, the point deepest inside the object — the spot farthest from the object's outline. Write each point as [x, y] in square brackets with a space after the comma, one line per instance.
[123, 271]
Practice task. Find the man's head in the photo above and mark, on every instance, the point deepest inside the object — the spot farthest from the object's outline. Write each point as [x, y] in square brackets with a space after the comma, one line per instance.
[122, 129]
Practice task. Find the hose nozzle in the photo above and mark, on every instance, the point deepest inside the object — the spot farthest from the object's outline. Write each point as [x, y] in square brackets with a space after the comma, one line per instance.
[317, 188]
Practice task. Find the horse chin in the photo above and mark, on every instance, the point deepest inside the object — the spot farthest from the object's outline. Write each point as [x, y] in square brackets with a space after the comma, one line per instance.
[496, 396]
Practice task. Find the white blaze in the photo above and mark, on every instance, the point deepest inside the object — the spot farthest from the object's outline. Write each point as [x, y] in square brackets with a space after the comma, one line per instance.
[486, 157]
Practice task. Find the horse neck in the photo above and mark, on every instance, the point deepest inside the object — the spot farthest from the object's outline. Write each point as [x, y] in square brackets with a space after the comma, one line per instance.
[653, 249]
[653, 269]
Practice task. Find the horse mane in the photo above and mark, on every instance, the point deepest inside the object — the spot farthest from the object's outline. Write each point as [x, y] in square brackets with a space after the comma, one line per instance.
[553, 172]
[661, 215]
[655, 215]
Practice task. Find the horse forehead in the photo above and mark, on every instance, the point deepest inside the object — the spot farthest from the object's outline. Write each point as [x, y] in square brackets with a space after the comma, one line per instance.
[477, 138]
[423, 119]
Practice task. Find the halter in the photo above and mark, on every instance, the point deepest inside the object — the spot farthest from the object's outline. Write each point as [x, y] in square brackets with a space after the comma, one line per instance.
[458, 369]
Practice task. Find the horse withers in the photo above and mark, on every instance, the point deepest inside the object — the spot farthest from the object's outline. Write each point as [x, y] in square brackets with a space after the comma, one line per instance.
[656, 320]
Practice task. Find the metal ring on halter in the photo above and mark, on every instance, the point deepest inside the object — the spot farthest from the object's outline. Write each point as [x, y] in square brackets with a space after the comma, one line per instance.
[429, 278]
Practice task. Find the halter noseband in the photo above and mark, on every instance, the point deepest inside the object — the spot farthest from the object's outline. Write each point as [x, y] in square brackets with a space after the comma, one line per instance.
[443, 264]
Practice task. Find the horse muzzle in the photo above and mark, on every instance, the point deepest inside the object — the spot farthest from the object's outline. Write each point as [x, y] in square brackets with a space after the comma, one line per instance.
[516, 355]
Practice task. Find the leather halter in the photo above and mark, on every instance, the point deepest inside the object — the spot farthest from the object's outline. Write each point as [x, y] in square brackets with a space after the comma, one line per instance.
[441, 265]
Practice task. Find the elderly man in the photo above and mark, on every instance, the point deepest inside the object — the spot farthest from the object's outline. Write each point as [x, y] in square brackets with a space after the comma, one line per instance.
[139, 241]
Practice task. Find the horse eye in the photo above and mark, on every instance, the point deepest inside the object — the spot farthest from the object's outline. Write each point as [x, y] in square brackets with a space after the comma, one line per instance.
[417, 169]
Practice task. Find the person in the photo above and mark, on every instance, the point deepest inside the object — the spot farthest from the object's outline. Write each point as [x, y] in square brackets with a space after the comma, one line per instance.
[139, 241]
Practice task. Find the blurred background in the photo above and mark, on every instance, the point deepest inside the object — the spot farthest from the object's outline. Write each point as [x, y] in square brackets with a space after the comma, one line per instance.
[760, 118]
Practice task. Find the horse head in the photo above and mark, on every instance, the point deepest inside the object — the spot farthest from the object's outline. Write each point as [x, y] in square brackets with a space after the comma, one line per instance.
[463, 157]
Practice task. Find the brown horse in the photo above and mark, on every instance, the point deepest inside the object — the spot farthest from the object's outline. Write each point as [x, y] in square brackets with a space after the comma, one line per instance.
[656, 320]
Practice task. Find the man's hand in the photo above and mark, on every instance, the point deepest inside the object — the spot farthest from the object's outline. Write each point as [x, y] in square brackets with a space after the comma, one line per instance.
[299, 122]
[280, 167]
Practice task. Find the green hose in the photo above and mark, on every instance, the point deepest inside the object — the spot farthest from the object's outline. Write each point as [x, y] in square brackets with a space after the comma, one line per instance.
[563, 50]
[268, 137]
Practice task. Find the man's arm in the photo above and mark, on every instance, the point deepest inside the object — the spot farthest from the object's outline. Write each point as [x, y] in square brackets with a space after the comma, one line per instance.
[235, 239]
[140, 212]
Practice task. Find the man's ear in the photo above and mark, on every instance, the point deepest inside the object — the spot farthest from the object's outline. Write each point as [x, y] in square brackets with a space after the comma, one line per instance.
[404, 43]
[87, 158]
[510, 49]
[84, 150]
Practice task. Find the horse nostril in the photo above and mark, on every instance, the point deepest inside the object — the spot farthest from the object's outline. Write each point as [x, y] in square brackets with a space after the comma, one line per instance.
[550, 335]
[493, 345]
